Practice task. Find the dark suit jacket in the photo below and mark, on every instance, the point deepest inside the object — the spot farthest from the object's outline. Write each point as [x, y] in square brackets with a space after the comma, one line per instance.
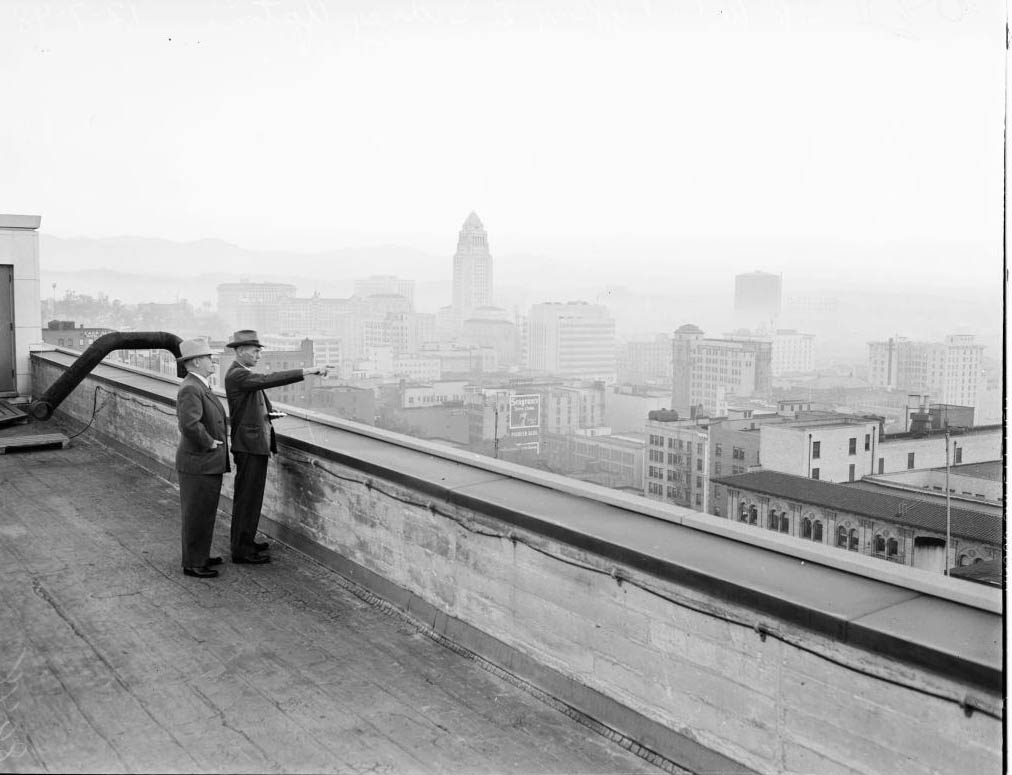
[248, 407]
[201, 420]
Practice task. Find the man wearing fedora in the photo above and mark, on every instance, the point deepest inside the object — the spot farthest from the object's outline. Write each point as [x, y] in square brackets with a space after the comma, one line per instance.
[253, 440]
[201, 457]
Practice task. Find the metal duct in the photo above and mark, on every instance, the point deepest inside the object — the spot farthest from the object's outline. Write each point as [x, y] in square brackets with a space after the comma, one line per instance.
[135, 340]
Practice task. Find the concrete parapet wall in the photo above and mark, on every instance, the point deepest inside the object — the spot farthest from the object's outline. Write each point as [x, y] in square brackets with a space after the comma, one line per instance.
[690, 660]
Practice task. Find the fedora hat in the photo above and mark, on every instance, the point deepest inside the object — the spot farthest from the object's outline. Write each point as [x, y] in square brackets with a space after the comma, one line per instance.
[246, 336]
[193, 348]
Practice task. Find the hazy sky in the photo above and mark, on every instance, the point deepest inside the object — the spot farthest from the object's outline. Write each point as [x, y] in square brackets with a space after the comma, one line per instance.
[312, 125]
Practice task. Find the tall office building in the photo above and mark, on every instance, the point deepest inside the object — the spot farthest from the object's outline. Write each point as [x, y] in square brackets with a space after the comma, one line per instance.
[949, 372]
[575, 340]
[757, 300]
[793, 351]
[708, 372]
[472, 269]
[253, 305]
[385, 285]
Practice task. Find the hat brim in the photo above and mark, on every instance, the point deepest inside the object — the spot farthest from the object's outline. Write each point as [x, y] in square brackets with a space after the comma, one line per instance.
[184, 358]
[253, 342]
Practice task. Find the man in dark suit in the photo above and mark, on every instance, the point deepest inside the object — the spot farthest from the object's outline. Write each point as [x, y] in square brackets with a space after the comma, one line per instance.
[250, 413]
[201, 457]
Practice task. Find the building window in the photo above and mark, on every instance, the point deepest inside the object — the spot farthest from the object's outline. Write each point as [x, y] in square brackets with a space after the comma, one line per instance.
[853, 540]
[816, 449]
[806, 528]
[699, 499]
[851, 472]
[716, 469]
[815, 473]
[753, 515]
[817, 532]
[892, 548]
[910, 460]
[841, 537]
[743, 512]
[716, 449]
[880, 545]
[881, 465]
[699, 464]
[852, 446]
[773, 521]
[785, 522]
[867, 442]
[958, 454]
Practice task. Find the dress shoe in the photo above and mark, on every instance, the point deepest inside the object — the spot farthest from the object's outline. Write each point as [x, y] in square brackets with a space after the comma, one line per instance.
[261, 546]
[214, 561]
[201, 573]
[251, 559]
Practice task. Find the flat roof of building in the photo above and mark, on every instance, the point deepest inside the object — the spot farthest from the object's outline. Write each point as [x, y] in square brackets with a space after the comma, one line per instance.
[991, 572]
[992, 470]
[125, 664]
[965, 523]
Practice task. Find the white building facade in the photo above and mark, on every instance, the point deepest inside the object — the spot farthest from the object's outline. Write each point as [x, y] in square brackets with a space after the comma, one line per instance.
[949, 372]
[574, 340]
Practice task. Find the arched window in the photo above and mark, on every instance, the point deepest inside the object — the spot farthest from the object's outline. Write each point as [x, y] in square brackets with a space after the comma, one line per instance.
[964, 560]
[753, 515]
[841, 537]
[892, 548]
[743, 512]
[817, 532]
[773, 521]
[785, 522]
[806, 528]
[979, 559]
[853, 540]
[880, 545]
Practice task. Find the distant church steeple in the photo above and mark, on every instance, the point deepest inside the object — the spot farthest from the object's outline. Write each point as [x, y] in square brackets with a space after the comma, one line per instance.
[472, 269]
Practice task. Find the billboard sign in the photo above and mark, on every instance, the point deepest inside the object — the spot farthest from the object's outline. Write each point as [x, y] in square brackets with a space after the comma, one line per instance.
[525, 412]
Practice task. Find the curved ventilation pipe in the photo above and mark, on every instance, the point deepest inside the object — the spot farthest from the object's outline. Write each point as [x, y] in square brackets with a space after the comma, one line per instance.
[135, 340]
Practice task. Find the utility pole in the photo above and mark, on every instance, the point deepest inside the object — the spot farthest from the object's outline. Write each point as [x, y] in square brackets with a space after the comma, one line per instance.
[948, 502]
[495, 432]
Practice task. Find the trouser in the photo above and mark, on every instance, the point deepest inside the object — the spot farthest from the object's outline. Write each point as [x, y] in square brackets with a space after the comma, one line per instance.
[198, 502]
[247, 500]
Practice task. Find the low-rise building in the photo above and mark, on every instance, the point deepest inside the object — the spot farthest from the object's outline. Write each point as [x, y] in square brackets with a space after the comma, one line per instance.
[611, 460]
[833, 448]
[976, 486]
[347, 401]
[65, 333]
[904, 530]
[627, 406]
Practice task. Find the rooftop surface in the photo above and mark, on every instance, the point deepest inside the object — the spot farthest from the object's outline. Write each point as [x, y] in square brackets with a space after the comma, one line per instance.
[113, 661]
[992, 470]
